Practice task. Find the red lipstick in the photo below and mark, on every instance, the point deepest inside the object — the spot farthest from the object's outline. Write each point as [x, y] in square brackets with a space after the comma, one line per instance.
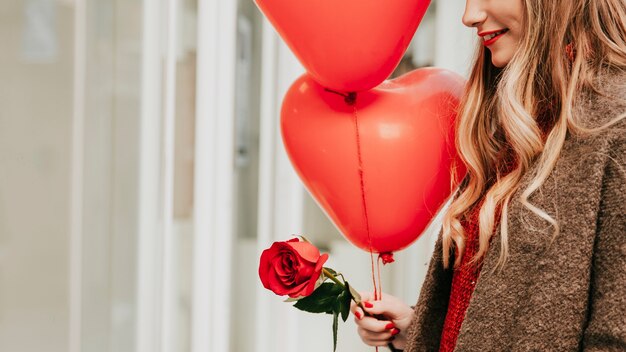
[492, 40]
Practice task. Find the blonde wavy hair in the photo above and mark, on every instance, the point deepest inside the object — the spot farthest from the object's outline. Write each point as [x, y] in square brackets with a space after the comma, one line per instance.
[500, 109]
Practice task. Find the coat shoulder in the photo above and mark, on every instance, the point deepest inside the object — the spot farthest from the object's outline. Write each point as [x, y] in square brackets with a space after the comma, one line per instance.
[604, 103]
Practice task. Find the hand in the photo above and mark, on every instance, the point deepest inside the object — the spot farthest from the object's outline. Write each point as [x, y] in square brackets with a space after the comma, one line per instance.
[397, 316]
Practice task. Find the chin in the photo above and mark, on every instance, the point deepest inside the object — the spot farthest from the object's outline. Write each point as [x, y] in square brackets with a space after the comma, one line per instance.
[499, 62]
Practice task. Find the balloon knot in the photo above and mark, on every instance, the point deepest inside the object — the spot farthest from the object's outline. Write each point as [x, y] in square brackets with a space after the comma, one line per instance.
[386, 257]
[349, 98]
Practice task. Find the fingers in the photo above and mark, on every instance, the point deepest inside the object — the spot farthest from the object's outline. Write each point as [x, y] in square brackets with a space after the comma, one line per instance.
[357, 311]
[372, 338]
[372, 331]
[389, 306]
[375, 326]
[376, 338]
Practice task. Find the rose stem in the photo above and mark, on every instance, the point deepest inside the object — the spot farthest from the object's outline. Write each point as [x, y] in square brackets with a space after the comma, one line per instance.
[332, 277]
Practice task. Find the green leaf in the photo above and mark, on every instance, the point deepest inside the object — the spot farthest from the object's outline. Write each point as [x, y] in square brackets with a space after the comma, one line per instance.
[304, 239]
[344, 299]
[335, 327]
[322, 300]
[355, 295]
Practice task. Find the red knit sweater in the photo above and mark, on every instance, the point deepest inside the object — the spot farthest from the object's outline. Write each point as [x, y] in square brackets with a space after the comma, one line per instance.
[466, 275]
[463, 282]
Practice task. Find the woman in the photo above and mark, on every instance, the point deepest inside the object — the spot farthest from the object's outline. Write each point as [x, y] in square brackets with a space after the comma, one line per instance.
[532, 253]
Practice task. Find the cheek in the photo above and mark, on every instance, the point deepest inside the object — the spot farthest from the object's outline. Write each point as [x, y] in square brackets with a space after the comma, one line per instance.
[514, 10]
[504, 49]
[513, 44]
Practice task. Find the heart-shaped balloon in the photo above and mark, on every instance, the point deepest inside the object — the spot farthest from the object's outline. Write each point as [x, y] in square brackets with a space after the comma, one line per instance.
[346, 45]
[409, 161]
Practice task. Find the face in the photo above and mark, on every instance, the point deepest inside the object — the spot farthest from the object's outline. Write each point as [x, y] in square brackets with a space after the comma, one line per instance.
[502, 18]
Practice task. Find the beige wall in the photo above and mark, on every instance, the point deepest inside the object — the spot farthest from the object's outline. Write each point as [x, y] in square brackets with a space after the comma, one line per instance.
[35, 134]
[36, 111]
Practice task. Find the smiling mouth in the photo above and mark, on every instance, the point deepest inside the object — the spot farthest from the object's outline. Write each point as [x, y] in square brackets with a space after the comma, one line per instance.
[493, 35]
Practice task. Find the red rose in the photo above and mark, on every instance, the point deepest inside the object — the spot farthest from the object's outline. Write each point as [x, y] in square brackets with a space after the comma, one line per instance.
[291, 268]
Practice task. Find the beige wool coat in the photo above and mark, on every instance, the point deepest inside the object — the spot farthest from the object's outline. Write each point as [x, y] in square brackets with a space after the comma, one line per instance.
[570, 296]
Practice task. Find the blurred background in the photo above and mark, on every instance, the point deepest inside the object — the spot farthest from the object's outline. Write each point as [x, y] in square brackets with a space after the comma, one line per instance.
[142, 174]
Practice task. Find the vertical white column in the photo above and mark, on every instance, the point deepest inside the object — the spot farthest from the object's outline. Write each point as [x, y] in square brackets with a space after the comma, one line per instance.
[214, 174]
[147, 299]
[281, 194]
[267, 148]
[76, 186]
[203, 176]
[168, 284]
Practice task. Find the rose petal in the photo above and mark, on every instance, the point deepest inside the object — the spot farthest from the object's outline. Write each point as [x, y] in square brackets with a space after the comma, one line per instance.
[316, 273]
[277, 264]
[285, 267]
[288, 263]
[276, 285]
[321, 261]
[265, 263]
[300, 290]
[308, 276]
[306, 250]
[305, 272]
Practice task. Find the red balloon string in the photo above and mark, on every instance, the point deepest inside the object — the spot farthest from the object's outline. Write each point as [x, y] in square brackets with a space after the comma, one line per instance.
[350, 99]
[386, 258]
[380, 282]
[367, 223]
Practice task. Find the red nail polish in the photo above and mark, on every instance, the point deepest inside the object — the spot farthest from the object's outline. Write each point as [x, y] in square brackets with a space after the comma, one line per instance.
[368, 304]
[395, 332]
[389, 326]
[357, 315]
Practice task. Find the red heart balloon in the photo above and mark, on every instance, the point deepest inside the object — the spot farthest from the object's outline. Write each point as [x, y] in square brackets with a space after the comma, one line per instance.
[346, 45]
[408, 157]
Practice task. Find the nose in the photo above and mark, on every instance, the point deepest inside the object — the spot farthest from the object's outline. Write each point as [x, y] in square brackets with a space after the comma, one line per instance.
[474, 13]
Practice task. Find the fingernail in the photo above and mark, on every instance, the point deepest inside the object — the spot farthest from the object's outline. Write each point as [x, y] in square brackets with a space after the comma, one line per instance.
[357, 315]
[368, 304]
[395, 331]
[389, 326]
